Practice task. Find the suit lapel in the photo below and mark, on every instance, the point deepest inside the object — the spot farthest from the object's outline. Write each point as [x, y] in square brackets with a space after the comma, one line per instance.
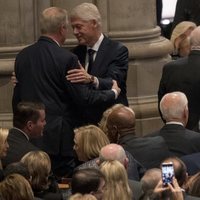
[100, 57]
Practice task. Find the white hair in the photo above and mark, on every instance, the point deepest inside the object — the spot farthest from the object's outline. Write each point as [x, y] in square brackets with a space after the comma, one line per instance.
[195, 39]
[87, 12]
[173, 105]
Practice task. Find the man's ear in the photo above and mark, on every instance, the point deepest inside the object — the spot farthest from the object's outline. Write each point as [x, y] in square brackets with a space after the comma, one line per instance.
[126, 161]
[29, 125]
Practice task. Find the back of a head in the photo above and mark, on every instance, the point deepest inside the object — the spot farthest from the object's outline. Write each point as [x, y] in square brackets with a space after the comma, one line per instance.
[91, 140]
[17, 168]
[86, 12]
[51, 20]
[85, 181]
[184, 29]
[39, 166]
[173, 106]
[16, 187]
[193, 185]
[180, 169]
[26, 111]
[113, 152]
[122, 119]
[150, 179]
[116, 177]
[195, 39]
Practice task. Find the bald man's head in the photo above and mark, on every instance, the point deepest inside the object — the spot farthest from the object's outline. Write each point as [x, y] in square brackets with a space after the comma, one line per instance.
[174, 107]
[121, 121]
[113, 152]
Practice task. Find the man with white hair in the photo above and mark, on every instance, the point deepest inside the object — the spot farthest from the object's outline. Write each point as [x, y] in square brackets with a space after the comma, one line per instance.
[180, 141]
[109, 59]
[184, 75]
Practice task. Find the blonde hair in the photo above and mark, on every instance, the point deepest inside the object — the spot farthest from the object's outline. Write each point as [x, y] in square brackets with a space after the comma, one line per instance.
[15, 187]
[52, 19]
[103, 122]
[91, 140]
[117, 187]
[180, 30]
[87, 12]
[3, 138]
[39, 167]
[79, 196]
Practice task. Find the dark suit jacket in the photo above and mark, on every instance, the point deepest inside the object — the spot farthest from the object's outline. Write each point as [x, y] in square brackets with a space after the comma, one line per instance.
[179, 140]
[149, 151]
[40, 70]
[192, 161]
[187, 11]
[111, 62]
[184, 75]
[19, 145]
[136, 188]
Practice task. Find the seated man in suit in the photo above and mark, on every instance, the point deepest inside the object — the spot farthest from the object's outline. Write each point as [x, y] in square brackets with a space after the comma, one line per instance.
[180, 141]
[121, 129]
[192, 161]
[29, 121]
[184, 75]
[109, 61]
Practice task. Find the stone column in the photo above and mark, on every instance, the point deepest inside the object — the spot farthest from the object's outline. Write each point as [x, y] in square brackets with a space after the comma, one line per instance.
[18, 28]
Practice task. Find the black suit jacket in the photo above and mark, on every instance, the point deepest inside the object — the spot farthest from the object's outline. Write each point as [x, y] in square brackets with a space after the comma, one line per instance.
[149, 151]
[192, 161]
[179, 140]
[184, 75]
[111, 62]
[40, 70]
[19, 145]
[187, 11]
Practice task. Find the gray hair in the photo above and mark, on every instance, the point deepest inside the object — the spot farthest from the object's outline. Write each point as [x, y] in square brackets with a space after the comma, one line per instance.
[87, 12]
[195, 39]
[173, 105]
[52, 19]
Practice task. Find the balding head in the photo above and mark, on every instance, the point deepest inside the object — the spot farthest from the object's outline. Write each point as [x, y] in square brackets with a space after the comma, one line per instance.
[113, 152]
[195, 38]
[174, 107]
[120, 121]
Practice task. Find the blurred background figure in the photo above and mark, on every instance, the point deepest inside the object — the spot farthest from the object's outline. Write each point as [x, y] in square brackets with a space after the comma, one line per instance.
[180, 38]
[16, 187]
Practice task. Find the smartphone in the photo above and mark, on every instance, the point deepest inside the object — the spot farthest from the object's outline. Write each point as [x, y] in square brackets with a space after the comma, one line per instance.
[167, 173]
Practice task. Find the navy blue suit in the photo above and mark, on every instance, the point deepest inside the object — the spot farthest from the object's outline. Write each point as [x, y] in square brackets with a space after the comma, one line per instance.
[184, 75]
[111, 62]
[40, 70]
[179, 140]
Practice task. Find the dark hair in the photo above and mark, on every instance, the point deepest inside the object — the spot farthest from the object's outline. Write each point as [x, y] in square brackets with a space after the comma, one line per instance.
[26, 111]
[87, 180]
[17, 168]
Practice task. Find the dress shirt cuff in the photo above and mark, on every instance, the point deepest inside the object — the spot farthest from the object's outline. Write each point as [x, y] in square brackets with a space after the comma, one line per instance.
[116, 93]
[96, 82]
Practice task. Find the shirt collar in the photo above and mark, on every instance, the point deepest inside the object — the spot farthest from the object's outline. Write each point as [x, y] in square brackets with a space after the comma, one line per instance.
[22, 132]
[173, 122]
[97, 44]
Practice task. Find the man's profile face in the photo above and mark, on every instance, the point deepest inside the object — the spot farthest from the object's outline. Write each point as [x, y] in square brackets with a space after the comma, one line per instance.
[38, 127]
[84, 31]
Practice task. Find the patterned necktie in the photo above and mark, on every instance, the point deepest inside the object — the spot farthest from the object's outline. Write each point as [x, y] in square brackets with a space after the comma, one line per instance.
[90, 59]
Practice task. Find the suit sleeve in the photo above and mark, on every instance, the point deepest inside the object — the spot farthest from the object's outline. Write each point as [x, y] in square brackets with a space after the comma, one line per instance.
[84, 95]
[117, 69]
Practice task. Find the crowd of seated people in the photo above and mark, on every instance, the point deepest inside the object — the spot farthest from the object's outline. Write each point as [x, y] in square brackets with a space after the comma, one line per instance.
[105, 164]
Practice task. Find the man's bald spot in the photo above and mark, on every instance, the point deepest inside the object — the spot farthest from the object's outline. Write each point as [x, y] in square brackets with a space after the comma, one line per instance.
[122, 117]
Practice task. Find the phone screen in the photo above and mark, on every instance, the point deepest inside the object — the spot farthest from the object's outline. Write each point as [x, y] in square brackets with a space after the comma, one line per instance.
[167, 173]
